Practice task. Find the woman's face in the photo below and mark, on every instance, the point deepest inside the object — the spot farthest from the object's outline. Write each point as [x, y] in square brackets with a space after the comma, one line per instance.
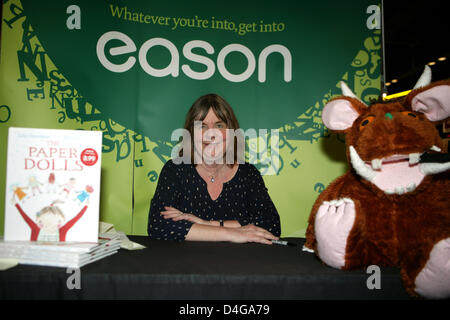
[210, 138]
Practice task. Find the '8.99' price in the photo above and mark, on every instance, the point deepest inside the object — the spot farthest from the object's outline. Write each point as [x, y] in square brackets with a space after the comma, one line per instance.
[89, 157]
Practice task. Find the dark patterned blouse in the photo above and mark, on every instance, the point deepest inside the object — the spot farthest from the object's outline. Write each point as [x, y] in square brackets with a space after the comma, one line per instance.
[244, 198]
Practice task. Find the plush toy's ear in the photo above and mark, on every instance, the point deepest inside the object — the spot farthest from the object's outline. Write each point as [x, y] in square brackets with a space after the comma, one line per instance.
[340, 113]
[433, 100]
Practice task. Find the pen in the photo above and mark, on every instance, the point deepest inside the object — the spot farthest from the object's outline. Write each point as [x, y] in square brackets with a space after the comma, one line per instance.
[283, 243]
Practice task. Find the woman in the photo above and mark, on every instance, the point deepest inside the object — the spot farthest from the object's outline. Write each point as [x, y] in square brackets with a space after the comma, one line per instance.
[211, 198]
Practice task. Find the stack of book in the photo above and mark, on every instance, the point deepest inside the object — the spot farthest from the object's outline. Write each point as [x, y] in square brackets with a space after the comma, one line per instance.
[52, 198]
[60, 254]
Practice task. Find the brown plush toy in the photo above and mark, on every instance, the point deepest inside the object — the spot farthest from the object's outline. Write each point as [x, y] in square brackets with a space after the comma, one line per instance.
[392, 208]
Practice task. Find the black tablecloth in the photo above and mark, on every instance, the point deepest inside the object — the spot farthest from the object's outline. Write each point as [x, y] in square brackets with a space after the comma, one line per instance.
[201, 270]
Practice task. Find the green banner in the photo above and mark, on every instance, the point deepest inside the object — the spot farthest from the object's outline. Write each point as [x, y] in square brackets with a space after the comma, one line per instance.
[133, 68]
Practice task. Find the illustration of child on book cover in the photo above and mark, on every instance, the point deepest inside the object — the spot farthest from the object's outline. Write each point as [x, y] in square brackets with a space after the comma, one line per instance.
[53, 182]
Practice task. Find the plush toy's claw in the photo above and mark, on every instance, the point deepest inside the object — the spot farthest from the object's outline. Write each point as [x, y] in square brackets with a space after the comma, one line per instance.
[433, 281]
[334, 221]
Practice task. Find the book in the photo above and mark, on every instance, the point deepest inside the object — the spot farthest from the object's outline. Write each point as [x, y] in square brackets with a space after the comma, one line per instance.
[52, 185]
[60, 254]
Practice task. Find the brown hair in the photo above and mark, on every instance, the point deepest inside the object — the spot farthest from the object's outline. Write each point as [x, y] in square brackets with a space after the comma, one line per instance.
[200, 109]
[51, 209]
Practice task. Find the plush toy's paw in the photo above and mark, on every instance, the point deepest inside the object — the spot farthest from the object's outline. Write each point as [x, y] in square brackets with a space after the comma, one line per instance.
[434, 280]
[334, 220]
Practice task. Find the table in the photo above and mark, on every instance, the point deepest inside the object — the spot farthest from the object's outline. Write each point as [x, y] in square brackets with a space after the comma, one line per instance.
[202, 270]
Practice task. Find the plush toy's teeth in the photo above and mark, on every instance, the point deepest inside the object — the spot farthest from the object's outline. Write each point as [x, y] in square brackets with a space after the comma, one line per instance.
[414, 158]
[376, 164]
[433, 168]
[399, 190]
[410, 187]
[436, 148]
[360, 166]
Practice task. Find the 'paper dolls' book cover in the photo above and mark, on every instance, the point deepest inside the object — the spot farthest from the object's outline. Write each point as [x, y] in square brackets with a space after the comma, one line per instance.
[52, 185]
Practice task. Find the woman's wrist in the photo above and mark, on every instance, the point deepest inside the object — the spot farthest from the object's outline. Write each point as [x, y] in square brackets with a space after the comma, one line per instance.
[216, 223]
[225, 223]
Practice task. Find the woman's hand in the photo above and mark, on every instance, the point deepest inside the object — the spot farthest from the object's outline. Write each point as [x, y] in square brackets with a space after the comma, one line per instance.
[251, 233]
[177, 215]
[241, 234]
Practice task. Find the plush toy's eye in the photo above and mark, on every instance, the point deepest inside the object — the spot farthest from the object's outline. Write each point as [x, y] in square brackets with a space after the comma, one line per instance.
[409, 113]
[366, 121]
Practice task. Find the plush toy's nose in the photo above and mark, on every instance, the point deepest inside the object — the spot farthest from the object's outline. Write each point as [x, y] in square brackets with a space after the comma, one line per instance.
[388, 115]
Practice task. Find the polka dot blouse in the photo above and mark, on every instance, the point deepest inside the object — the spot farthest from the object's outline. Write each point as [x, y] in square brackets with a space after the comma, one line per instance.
[244, 198]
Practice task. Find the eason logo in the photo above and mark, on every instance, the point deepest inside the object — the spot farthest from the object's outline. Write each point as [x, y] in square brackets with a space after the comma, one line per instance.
[141, 63]
[173, 68]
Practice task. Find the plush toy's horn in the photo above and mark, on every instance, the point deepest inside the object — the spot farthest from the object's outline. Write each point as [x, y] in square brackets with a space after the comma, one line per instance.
[347, 92]
[425, 78]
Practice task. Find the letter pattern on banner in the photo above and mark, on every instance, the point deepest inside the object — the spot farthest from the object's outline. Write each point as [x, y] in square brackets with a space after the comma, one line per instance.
[53, 87]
